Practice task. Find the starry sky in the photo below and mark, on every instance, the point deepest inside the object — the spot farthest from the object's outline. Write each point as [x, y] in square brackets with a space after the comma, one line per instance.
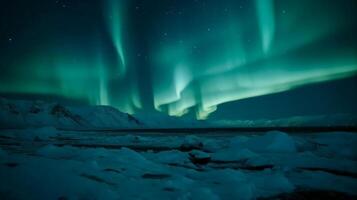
[200, 59]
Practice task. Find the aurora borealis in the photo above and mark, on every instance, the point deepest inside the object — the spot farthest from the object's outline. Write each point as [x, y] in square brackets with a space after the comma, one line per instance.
[174, 56]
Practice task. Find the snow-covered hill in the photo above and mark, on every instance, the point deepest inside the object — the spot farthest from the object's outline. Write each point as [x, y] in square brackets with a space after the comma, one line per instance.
[27, 114]
[21, 114]
[162, 120]
[296, 121]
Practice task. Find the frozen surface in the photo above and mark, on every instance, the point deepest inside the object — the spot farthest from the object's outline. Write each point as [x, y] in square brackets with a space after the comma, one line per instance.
[45, 163]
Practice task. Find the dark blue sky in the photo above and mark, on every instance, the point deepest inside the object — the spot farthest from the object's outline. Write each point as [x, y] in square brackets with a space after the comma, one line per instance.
[329, 98]
[229, 59]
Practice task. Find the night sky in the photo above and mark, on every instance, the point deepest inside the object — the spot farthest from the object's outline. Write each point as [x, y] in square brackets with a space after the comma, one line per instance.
[227, 59]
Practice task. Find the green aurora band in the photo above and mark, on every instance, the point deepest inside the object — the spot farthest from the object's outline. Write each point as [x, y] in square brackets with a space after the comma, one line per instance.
[198, 66]
[228, 68]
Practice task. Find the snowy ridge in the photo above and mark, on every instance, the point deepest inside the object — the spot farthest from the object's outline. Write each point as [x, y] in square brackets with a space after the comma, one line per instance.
[24, 114]
[297, 121]
[162, 120]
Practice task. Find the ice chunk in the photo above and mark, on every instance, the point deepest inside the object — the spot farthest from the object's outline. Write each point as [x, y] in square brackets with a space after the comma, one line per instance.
[170, 157]
[191, 142]
[67, 152]
[199, 193]
[238, 141]
[136, 162]
[273, 142]
[199, 157]
[57, 152]
[270, 183]
[230, 184]
[213, 145]
[324, 181]
[179, 183]
[233, 154]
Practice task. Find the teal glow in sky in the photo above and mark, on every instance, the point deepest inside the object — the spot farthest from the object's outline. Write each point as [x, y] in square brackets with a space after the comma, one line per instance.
[115, 10]
[176, 57]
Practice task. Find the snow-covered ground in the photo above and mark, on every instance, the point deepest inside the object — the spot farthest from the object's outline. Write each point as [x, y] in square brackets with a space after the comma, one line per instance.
[39, 160]
[45, 163]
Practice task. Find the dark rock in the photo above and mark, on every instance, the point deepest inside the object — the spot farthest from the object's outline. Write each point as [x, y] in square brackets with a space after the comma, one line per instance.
[60, 111]
[11, 164]
[112, 170]
[96, 179]
[133, 119]
[199, 157]
[169, 189]
[155, 176]
[62, 198]
[37, 139]
[12, 108]
[35, 109]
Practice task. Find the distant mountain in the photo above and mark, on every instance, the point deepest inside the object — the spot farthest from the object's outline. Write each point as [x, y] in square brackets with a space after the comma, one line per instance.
[297, 121]
[21, 114]
[162, 120]
[25, 113]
